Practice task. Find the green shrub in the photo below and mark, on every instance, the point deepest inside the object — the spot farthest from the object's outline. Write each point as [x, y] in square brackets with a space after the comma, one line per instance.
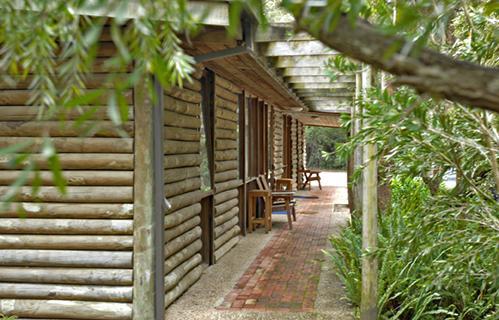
[437, 256]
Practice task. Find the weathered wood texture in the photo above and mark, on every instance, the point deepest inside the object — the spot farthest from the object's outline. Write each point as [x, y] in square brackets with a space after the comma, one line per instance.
[294, 152]
[71, 256]
[300, 144]
[226, 166]
[182, 147]
[278, 163]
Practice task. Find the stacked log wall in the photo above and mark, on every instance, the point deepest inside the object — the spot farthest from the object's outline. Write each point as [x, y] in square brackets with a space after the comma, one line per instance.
[182, 176]
[70, 256]
[227, 179]
[294, 152]
[278, 144]
[301, 150]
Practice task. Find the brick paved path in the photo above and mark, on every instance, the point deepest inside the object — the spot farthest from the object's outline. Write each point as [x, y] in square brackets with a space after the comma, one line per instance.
[285, 275]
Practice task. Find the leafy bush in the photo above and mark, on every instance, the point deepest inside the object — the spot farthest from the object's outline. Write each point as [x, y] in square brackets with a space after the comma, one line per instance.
[437, 260]
[321, 144]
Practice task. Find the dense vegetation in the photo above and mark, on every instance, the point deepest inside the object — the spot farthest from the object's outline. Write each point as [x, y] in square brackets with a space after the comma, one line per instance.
[322, 144]
[438, 257]
[437, 246]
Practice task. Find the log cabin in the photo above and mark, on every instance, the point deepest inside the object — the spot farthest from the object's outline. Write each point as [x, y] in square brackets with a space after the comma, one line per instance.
[144, 215]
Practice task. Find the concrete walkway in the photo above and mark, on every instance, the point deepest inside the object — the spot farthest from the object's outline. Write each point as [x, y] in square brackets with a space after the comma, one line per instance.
[280, 275]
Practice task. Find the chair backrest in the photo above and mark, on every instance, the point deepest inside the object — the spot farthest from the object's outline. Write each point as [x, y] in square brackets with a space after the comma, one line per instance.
[282, 184]
[262, 183]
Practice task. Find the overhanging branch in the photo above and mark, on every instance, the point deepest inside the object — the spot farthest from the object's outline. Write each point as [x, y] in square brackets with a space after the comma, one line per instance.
[427, 71]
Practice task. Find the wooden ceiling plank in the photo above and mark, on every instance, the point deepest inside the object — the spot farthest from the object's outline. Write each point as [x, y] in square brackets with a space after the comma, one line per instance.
[302, 61]
[319, 79]
[334, 85]
[297, 48]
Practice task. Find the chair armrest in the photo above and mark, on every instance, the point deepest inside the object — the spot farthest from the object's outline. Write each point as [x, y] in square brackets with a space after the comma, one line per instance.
[283, 193]
[260, 192]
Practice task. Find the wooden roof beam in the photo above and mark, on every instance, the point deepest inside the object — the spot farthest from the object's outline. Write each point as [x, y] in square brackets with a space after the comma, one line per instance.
[319, 61]
[333, 85]
[296, 48]
[320, 79]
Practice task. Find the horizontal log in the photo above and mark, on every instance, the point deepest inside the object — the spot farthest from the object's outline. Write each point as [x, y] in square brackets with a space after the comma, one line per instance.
[182, 107]
[182, 241]
[67, 210]
[224, 186]
[73, 178]
[182, 134]
[85, 276]
[225, 124]
[35, 128]
[90, 81]
[226, 84]
[226, 175]
[175, 218]
[184, 94]
[226, 134]
[225, 104]
[68, 145]
[30, 113]
[62, 309]
[182, 228]
[75, 194]
[173, 175]
[86, 161]
[220, 241]
[226, 155]
[181, 256]
[225, 94]
[225, 144]
[183, 285]
[194, 84]
[220, 252]
[226, 114]
[13, 97]
[220, 219]
[65, 226]
[226, 206]
[179, 120]
[186, 199]
[187, 185]
[65, 292]
[226, 165]
[221, 229]
[66, 258]
[174, 276]
[181, 147]
[66, 242]
[182, 160]
[226, 195]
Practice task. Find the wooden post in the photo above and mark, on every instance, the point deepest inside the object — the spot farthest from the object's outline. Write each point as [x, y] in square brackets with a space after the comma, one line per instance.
[243, 149]
[208, 106]
[369, 295]
[148, 233]
[357, 154]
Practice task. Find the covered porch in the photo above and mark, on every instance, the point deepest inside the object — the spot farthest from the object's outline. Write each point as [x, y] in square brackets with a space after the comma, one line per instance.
[282, 274]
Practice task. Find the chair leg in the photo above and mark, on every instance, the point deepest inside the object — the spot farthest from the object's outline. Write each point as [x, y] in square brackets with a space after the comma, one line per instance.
[293, 210]
[288, 214]
[250, 215]
[268, 214]
[319, 180]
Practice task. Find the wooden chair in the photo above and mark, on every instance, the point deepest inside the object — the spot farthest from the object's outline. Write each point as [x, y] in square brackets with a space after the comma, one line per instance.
[310, 175]
[266, 220]
[285, 184]
[280, 197]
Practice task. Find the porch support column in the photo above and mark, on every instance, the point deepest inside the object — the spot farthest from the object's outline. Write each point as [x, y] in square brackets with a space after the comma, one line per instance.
[148, 221]
[357, 153]
[369, 295]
